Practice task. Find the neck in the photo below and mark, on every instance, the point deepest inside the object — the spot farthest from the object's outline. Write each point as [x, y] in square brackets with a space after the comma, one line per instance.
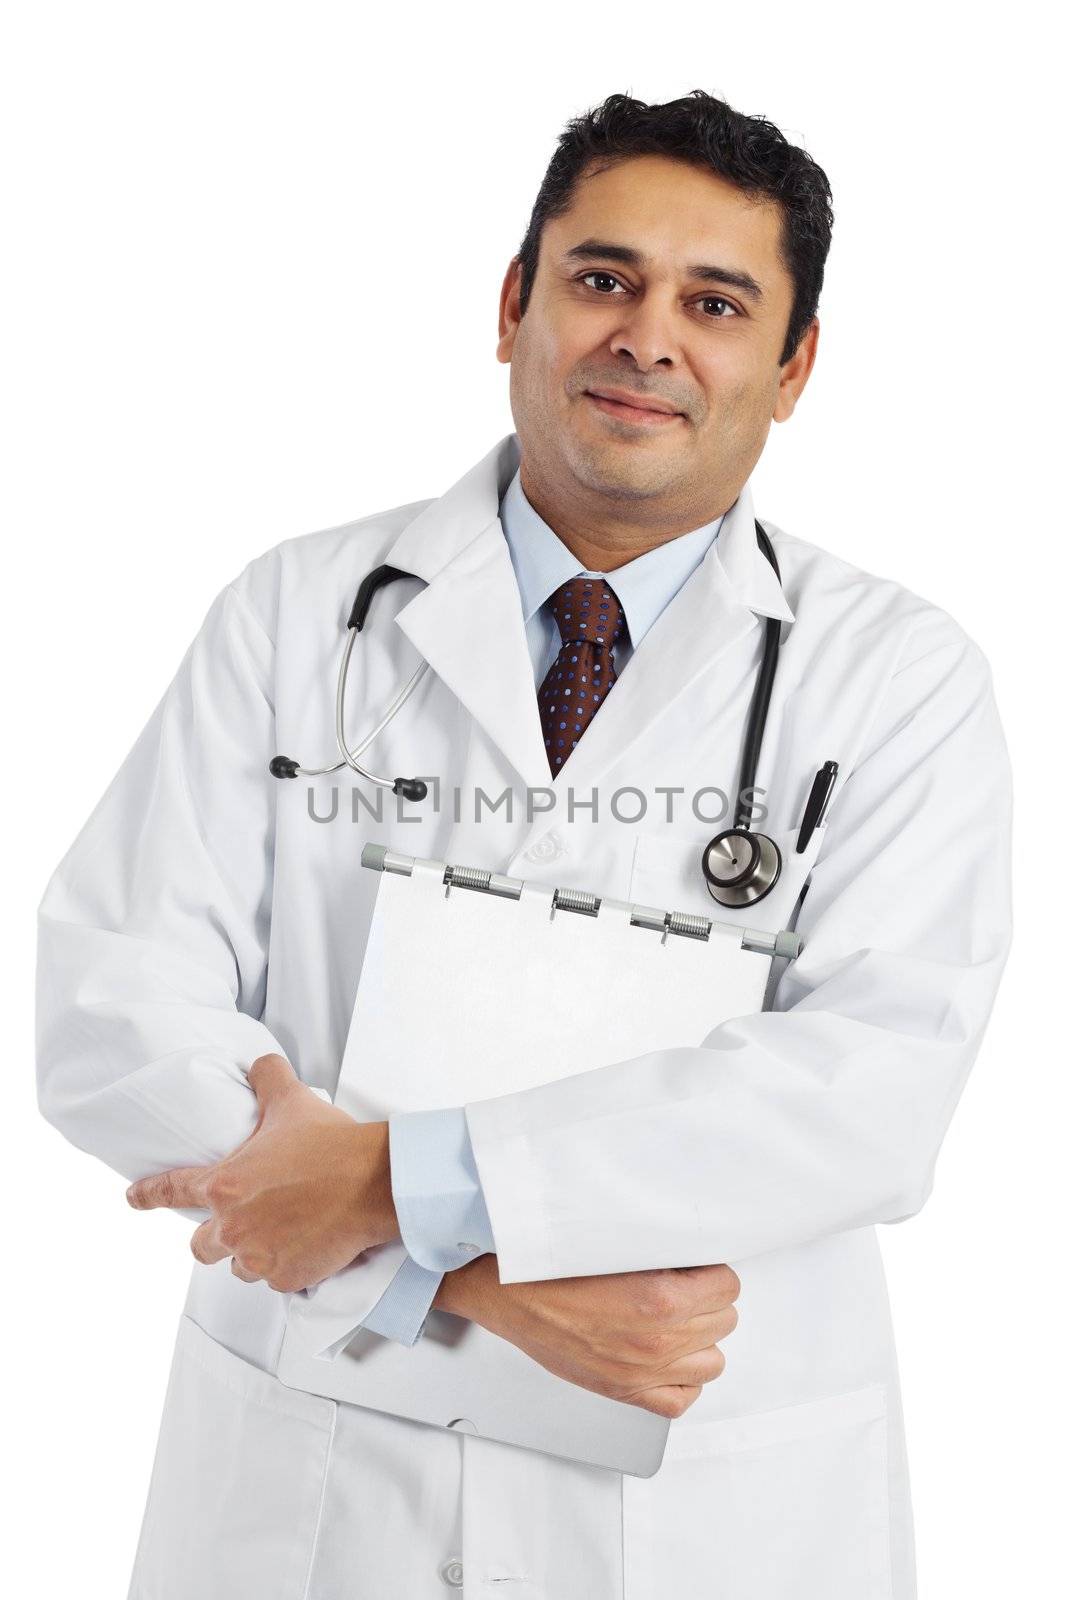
[597, 532]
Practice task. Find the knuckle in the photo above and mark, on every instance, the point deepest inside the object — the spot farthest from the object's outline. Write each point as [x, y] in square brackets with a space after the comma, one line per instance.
[228, 1235]
[197, 1246]
[218, 1188]
[658, 1297]
[717, 1362]
[727, 1282]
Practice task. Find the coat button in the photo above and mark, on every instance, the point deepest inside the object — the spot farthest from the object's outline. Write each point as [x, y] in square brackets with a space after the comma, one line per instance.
[452, 1572]
[548, 848]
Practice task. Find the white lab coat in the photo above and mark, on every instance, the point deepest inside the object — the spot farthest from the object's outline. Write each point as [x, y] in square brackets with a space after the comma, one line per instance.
[202, 918]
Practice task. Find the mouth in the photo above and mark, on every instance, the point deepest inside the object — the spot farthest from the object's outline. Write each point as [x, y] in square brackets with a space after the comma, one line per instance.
[639, 415]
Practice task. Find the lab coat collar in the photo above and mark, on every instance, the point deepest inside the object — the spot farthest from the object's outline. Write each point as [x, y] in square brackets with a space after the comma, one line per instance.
[744, 566]
[468, 622]
[445, 527]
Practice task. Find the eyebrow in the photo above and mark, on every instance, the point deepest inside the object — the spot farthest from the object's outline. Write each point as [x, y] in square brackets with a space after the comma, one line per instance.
[600, 250]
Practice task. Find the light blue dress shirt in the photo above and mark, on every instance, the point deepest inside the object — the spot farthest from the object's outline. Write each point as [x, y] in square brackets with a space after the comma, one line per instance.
[440, 1207]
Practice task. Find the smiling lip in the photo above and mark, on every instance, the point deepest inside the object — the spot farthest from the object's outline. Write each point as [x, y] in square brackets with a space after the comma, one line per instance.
[647, 412]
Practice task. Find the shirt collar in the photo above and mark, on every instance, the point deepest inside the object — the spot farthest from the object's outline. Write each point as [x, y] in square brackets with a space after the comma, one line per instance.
[644, 586]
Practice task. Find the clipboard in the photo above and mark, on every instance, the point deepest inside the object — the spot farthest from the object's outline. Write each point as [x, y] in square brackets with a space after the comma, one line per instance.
[450, 1008]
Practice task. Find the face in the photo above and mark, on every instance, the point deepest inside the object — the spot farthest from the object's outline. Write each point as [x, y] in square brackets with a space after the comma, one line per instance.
[664, 284]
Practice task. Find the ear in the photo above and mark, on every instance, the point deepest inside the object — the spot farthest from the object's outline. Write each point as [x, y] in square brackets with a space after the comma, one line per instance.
[796, 372]
[508, 318]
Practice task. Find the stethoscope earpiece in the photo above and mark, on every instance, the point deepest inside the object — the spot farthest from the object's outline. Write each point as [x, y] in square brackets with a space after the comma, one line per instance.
[740, 867]
[408, 788]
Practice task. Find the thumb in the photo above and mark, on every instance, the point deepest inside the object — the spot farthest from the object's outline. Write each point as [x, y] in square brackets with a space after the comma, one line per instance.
[271, 1076]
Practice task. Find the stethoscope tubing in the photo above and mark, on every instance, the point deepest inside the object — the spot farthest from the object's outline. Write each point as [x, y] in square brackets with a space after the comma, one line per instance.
[348, 754]
[749, 882]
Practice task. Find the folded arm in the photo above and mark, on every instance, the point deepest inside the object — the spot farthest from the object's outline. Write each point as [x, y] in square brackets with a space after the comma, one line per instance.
[827, 1112]
[154, 928]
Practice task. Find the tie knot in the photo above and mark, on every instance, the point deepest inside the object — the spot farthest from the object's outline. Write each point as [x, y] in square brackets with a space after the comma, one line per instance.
[587, 611]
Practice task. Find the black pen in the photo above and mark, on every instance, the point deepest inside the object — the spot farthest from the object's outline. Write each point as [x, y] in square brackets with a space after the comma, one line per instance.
[818, 800]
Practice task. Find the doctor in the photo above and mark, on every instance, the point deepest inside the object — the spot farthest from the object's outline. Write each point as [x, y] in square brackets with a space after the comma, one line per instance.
[200, 946]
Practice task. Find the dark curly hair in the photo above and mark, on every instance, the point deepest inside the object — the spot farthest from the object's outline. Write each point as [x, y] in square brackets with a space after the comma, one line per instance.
[749, 152]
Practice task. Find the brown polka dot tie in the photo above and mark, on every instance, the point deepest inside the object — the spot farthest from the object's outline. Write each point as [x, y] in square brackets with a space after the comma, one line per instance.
[591, 622]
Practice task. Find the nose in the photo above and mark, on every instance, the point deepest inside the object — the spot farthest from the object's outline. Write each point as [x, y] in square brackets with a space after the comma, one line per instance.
[647, 332]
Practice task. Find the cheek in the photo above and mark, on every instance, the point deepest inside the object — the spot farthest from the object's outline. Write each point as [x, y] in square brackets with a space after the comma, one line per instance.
[569, 347]
[540, 365]
[741, 400]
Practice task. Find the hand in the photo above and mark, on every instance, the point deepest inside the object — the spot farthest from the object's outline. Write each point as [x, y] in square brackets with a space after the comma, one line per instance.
[306, 1193]
[649, 1339]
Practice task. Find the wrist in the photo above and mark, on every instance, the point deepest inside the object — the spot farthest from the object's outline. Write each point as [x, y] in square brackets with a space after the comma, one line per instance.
[376, 1196]
[465, 1291]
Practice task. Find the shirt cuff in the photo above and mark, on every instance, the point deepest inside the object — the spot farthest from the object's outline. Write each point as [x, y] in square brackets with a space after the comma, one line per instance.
[438, 1196]
[400, 1313]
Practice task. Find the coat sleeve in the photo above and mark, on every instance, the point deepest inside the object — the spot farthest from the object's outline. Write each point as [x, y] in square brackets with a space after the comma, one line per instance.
[152, 931]
[154, 928]
[827, 1111]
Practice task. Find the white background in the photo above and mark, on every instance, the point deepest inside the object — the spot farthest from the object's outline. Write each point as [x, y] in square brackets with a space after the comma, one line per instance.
[251, 290]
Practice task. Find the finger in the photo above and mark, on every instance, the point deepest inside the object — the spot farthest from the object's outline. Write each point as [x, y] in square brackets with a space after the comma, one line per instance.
[271, 1076]
[700, 1332]
[691, 1341]
[707, 1288]
[242, 1273]
[634, 1366]
[181, 1186]
[703, 1366]
[670, 1400]
[205, 1244]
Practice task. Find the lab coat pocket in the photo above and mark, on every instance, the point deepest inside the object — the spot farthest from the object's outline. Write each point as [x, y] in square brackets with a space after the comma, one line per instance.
[666, 873]
[789, 1504]
[237, 1484]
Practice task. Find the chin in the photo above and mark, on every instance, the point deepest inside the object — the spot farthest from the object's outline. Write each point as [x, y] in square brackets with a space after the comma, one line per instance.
[602, 466]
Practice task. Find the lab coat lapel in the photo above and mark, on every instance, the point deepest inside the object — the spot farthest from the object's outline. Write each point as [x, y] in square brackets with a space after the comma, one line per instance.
[716, 610]
[468, 622]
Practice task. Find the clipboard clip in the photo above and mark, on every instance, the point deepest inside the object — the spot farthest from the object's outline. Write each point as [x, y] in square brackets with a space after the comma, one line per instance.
[687, 924]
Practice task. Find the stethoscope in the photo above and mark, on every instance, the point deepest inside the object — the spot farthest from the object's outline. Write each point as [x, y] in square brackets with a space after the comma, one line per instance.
[740, 867]
[410, 788]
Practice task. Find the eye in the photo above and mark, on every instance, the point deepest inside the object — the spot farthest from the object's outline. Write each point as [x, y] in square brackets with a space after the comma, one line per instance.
[610, 276]
[717, 300]
[728, 308]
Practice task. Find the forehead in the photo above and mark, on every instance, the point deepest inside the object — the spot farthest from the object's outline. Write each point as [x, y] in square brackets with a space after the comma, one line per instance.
[676, 215]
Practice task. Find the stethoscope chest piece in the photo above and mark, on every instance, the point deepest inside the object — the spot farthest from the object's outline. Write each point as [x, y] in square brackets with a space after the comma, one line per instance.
[741, 867]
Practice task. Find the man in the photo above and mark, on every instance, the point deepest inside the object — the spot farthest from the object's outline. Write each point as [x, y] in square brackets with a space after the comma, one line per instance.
[201, 943]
